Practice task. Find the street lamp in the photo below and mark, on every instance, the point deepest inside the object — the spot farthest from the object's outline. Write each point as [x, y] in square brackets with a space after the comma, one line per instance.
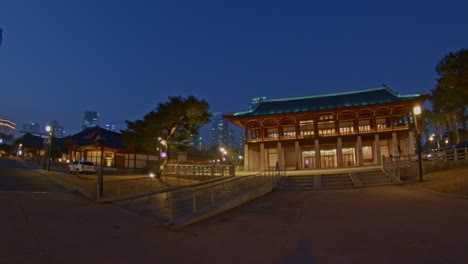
[223, 152]
[50, 130]
[416, 112]
[431, 139]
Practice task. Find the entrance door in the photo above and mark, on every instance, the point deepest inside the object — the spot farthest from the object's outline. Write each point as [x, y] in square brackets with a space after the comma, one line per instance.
[328, 161]
[348, 159]
[309, 162]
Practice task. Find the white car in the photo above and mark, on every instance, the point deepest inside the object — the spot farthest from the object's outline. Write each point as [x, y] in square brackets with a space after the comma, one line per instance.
[81, 166]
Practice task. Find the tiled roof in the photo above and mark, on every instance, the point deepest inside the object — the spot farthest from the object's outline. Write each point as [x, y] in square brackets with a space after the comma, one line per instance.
[374, 96]
[106, 138]
[31, 141]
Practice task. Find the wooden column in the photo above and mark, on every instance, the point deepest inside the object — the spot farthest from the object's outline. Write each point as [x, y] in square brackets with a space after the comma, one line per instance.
[279, 154]
[377, 152]
[359, 151]
[339, 152]
[297, 152]
[246, 158]
[317, 154]
[394, 145]
[262, 156]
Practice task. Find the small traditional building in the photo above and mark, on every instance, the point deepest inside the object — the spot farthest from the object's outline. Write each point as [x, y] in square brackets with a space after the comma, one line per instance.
[328, 131]
[106, 148]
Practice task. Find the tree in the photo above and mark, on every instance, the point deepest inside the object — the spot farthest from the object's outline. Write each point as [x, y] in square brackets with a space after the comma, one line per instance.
[168, 127]
[451, 93]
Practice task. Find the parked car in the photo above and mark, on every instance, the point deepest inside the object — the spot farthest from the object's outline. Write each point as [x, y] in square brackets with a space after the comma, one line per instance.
[82, 166]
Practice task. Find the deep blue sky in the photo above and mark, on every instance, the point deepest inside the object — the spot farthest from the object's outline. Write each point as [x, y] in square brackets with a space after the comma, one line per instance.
[120, 58]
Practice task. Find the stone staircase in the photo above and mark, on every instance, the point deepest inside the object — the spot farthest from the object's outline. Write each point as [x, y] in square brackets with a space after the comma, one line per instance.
[299, 182]
[335, 181]
[373, 178]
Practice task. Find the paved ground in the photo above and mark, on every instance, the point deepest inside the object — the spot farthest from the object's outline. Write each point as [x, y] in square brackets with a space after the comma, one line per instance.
[391, 224]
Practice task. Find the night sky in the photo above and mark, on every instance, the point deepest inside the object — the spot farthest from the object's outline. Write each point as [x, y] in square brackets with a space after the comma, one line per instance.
[120, 58]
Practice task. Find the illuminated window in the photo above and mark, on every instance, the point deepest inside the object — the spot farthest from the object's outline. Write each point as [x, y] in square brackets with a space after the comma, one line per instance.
[306, 127]
[289, 131]
[272, 132]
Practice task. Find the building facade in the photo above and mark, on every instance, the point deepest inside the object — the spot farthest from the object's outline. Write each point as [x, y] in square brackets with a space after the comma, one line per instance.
[90, 120]
[7, 127]
[328, 131]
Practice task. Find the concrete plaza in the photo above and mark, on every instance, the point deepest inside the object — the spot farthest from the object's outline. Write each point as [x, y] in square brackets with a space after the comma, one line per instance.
[388, 224]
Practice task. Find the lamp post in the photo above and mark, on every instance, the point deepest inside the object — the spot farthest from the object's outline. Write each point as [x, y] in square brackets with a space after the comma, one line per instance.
[50, 130]
[431, 140]
[223, 152]
[416, 112]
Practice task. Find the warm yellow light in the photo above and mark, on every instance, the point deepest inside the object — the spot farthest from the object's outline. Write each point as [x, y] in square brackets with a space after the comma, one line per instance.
[417, 110]
[48, 128]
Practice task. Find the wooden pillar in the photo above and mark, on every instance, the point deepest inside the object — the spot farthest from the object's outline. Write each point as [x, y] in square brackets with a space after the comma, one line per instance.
[377, 152]
[262, 156]
[339, 153]
[246, 158]
[317, 155]
[394, 145]
[297, 152]
[279, 154]
[359, 151]
[410, 145]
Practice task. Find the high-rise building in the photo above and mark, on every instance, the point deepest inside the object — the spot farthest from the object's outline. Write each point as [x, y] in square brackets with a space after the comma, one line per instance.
[91, 119]
[110, 127]
[219, 129]
[31, 128]
[235, 140]
[59, 131]
[7, 127]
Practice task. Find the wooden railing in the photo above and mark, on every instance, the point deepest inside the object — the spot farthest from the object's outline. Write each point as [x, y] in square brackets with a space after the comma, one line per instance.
[336, 134]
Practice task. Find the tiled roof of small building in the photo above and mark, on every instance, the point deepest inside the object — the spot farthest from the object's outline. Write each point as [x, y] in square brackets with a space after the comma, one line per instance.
[106, 138]
[374, 96]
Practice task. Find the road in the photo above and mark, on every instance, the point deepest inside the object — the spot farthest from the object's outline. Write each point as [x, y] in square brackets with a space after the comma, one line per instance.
[17, 175]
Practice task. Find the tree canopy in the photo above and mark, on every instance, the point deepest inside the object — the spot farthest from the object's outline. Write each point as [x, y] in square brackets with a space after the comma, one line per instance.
[170, 125]
[450, 96]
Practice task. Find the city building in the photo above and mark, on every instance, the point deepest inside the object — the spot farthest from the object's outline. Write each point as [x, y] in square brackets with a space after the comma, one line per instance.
[110, 127]
[222, 135]
[91, 119]
[219, 129]
[59, 131]
[32, 128]
[7, 127]
[327, 131]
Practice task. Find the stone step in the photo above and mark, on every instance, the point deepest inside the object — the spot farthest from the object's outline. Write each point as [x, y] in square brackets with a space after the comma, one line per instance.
[337, 181]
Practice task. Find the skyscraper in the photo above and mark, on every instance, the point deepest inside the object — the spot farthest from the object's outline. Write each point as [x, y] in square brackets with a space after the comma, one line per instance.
[219, 129]
[110, 127]
[59, 131]
[91, 119]
[31, 128]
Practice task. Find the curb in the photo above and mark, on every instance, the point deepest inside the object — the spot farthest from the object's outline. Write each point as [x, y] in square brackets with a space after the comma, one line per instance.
[70, 187]
[439, 193]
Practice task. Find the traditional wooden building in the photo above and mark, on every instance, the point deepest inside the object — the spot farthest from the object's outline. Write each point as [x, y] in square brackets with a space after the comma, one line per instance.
[328, 131]
[106, 148]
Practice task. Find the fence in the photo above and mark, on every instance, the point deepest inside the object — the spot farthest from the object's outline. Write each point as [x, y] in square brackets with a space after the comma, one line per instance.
[174, 175]
[188, 204]
[404, 168]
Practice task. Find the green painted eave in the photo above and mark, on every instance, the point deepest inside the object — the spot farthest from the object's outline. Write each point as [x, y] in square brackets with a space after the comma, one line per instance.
[358, 98]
